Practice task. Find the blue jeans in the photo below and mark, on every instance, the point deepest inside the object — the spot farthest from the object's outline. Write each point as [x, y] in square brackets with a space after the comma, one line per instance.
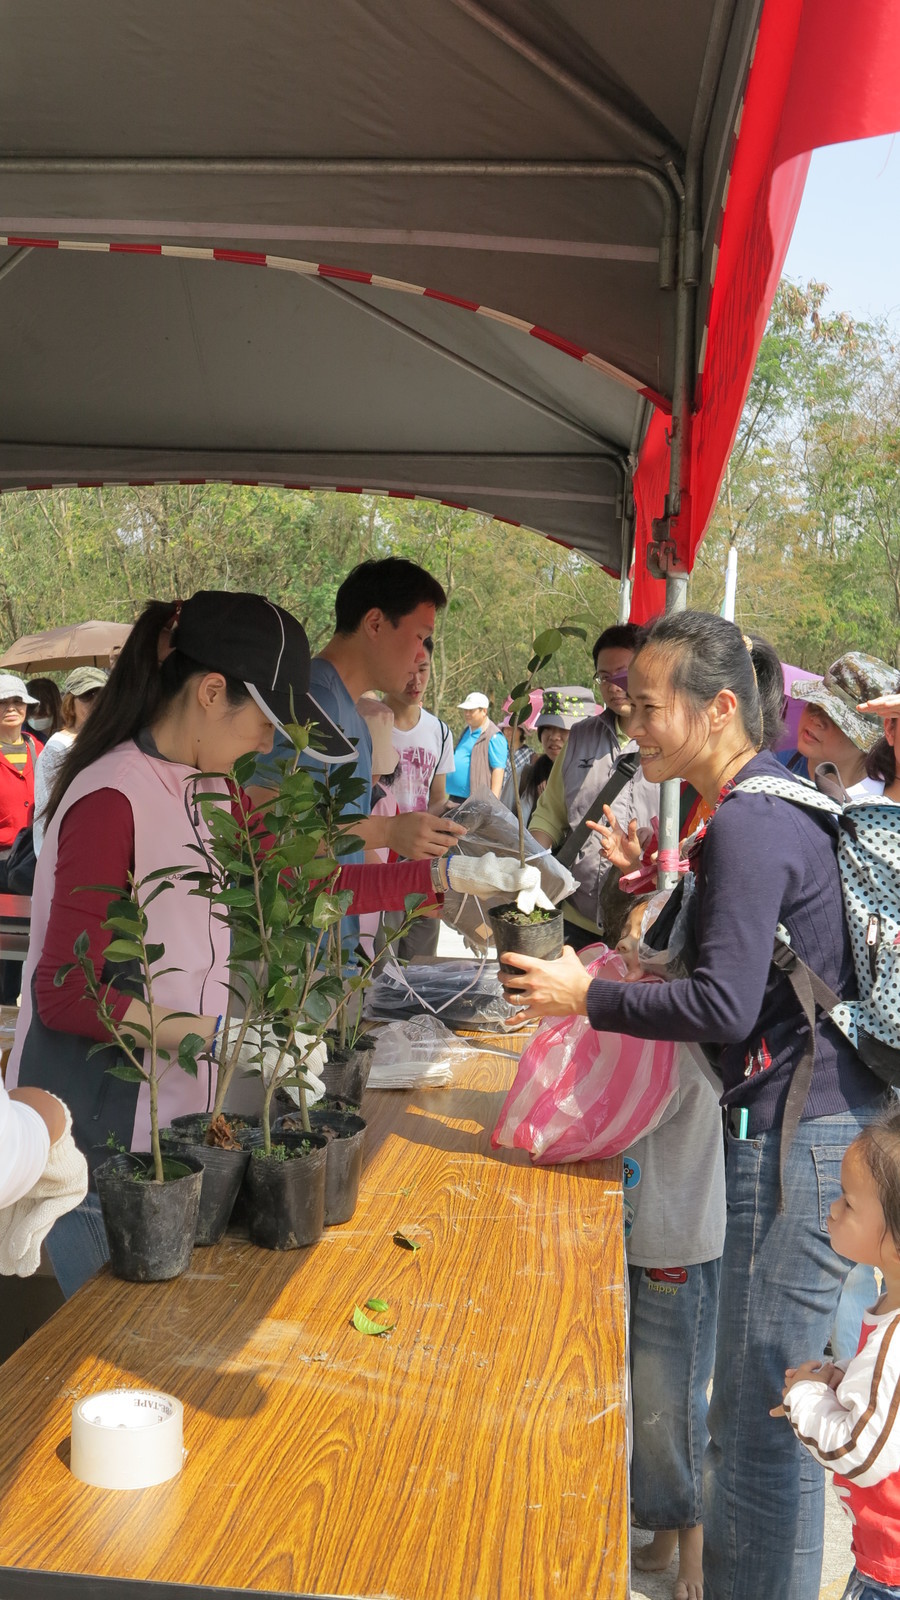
[672, 1338]
[77, 1245]
[763, 1495]
[860, 1291]
[860, 1588]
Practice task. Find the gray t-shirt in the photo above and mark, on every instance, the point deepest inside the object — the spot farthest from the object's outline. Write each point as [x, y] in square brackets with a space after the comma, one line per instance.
[674, 1178]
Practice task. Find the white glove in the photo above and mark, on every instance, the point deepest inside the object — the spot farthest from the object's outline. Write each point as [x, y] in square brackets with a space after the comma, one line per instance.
[311, 1064]
[490, 875]
[60, 1188]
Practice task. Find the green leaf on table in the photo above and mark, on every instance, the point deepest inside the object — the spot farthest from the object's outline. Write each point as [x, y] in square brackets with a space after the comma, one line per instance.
[364, 1324]
[376, 1305]
[407, 1243]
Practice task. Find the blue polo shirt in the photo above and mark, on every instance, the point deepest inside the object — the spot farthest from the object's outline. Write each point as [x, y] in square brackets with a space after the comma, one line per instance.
[458, 780]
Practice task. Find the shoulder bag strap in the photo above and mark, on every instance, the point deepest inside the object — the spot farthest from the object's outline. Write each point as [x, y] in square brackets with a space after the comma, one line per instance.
[622, 773]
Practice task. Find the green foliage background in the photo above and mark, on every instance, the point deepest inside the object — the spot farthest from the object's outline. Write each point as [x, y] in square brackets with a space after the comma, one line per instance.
[811, 502]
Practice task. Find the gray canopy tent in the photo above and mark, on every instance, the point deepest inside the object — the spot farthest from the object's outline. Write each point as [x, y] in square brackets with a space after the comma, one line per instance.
[429, 247]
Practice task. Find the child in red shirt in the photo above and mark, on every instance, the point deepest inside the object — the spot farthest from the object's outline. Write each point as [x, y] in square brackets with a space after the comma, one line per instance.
[847, 1414]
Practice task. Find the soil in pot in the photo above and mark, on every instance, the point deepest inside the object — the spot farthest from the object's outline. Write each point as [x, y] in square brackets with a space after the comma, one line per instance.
[286, 1191]
[346, 1072]
[150, 1226]
[223, 1173]
[536, 933]
[346, 1135]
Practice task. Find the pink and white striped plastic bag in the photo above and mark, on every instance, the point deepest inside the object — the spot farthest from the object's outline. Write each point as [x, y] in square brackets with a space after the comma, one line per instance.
[579, 1095]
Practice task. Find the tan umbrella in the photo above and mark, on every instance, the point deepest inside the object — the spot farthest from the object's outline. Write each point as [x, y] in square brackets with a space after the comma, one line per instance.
[80, 644]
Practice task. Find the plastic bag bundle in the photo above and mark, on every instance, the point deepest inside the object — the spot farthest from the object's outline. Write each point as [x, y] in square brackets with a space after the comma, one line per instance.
[491, 826]
[464, 994]
[580, 1095]
[418, 1054]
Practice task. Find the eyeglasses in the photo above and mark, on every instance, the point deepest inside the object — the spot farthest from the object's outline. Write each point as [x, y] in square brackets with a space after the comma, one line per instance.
[612, 680]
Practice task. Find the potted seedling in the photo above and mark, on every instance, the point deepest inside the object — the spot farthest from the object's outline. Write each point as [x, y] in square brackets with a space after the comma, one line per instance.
[149, 1199]
[346, 1072]
[538, 932]
[272, 883]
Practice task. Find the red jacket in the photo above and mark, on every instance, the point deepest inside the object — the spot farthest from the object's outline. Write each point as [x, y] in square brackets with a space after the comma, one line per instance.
[16, 796]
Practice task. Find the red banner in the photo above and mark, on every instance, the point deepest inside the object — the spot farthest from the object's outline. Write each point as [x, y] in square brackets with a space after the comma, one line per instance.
[823, 72]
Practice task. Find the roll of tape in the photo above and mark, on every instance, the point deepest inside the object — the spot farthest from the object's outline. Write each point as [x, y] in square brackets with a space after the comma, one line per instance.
[127, 1438]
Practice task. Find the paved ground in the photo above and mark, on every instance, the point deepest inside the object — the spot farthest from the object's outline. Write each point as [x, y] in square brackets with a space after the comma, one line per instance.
[835, 1568]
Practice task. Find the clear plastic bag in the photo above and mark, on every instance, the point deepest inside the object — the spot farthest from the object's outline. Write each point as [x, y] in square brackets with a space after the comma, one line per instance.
[417, 1054]
[580, 1095]
[465, 994]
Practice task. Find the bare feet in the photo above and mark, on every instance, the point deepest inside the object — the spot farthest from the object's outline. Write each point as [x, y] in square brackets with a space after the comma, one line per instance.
[658, 1554]
[689, 1583]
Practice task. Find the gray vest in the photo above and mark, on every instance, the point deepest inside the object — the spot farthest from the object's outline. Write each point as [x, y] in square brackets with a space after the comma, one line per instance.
[591, 752]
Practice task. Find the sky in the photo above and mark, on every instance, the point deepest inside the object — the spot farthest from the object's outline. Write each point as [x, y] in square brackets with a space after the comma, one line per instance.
[848, 230]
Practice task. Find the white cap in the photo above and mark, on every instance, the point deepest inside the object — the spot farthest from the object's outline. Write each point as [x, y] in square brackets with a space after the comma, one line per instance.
[12, 688]
[474, 702]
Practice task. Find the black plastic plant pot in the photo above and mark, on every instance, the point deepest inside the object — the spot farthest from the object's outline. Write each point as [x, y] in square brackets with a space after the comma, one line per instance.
[193, 1126]
[541, 939]
[150, 1226]
[223, 1174]
[346, 1072]
[346, 1135]
[286, 1198]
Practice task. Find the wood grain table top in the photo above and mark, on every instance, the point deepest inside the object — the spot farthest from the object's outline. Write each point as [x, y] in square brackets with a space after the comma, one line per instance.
[477, 1452]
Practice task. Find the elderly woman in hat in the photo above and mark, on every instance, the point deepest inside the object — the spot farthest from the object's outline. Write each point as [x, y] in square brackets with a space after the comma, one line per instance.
[80, 692]
[560, 709]
[831, 727]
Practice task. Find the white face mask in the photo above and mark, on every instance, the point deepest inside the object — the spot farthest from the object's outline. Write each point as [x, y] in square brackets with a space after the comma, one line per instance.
[41, 723]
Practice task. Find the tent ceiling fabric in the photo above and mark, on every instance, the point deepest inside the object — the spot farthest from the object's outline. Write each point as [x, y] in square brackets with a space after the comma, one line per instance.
[149, 367]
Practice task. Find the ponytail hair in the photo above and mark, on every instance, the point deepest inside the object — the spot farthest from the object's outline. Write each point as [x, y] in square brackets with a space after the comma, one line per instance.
[139, 687]
[708, 655]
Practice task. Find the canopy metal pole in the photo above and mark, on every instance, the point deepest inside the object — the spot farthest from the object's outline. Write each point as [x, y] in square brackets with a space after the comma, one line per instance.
[689, 268]
[200, 167]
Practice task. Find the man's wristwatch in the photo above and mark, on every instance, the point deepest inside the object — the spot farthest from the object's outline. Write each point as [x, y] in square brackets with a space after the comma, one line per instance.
[440, 874]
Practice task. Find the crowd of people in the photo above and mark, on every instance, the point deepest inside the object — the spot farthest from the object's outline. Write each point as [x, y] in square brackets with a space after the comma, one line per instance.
[733, 1276]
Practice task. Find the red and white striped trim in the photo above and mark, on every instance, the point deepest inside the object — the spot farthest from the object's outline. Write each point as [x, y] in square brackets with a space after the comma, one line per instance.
[312, 269]
[276, 483]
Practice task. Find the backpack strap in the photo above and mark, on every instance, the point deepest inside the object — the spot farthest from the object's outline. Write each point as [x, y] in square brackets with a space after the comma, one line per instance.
[808, 988]
[622, 773]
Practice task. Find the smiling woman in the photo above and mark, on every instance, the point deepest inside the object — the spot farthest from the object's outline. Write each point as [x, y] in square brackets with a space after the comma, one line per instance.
[703, 712]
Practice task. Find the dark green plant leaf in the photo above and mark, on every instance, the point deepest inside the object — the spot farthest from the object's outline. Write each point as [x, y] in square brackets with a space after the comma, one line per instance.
[122, 950]
[125, 1070]
[61, 974]
[190, 1047]
[81, 946]
[412, 902]
[364, 1324]
[407, 1243]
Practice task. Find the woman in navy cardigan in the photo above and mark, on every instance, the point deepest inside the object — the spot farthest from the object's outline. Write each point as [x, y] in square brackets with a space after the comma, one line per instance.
[699, 715]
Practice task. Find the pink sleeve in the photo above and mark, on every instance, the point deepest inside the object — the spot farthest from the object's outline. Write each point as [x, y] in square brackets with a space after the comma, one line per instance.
[96, 845]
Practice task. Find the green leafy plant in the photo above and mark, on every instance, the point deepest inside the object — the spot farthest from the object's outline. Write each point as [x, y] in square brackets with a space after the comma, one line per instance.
[143, 1059]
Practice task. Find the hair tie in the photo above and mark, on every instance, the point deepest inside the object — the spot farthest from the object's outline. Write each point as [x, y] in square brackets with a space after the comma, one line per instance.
[172, 623]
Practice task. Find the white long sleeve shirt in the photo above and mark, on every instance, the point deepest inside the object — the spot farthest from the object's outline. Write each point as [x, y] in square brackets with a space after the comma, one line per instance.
[854, 1430]
[24, 1148]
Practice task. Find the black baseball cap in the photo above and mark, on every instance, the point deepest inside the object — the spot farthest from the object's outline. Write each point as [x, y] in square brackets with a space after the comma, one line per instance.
[249, 637]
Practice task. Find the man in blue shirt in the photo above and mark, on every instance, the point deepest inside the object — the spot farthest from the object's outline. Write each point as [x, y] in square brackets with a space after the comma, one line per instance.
[482, 753]
[384, 612]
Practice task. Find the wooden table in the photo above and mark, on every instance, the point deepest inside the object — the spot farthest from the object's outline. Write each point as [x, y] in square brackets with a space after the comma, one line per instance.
[476, 1453]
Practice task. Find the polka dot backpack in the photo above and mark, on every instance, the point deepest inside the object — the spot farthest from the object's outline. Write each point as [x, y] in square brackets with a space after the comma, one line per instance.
[869, 862]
